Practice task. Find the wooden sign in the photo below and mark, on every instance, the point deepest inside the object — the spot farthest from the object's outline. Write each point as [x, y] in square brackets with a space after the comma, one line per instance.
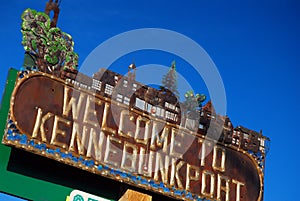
[51, 117]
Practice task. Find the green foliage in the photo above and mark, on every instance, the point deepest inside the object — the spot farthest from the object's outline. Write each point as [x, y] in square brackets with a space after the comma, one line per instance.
[193, 101]
[52, 48]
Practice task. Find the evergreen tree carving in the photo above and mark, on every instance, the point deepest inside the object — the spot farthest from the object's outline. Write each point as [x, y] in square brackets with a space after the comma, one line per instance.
[169, 80]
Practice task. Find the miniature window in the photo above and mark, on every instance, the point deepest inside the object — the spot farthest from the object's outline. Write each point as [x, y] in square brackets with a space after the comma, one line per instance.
[235, 141]
[83, 86]
[125, 83]
[149, 107]
[96, 85]
[162, 112]
[201, 126]
[170, 115]
[235, 134]
[158, 110]
[134, 86]
[108, 89]
[123, 99]
[119, 98]
[175, 118]
[140, 103]
[172, 106]
[126, 100]
[116, 78]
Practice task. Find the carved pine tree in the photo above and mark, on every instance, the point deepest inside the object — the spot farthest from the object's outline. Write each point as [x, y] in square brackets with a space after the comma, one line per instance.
[169, 80]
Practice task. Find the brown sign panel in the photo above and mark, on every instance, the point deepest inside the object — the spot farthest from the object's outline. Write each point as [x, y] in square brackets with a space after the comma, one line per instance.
[51, 117]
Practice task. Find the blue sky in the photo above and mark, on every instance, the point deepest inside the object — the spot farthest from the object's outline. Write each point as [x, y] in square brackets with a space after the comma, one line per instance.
[254, 44]
[6, 197]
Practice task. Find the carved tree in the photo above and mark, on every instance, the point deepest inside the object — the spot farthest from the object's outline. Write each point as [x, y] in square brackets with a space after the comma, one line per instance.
[193, 101]
[169, 80]
[51, 48]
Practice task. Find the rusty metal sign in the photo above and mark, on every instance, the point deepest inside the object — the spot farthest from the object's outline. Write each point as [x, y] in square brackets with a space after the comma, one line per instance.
[51, 117]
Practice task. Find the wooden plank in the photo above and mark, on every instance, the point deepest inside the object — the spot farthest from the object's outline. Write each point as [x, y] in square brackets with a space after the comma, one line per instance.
[131, 195]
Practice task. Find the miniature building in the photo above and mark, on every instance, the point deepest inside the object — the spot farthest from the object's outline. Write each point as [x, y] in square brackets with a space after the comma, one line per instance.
[165, 105]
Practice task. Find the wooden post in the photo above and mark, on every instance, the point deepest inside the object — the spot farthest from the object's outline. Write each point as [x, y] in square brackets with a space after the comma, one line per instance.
[131, 195]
